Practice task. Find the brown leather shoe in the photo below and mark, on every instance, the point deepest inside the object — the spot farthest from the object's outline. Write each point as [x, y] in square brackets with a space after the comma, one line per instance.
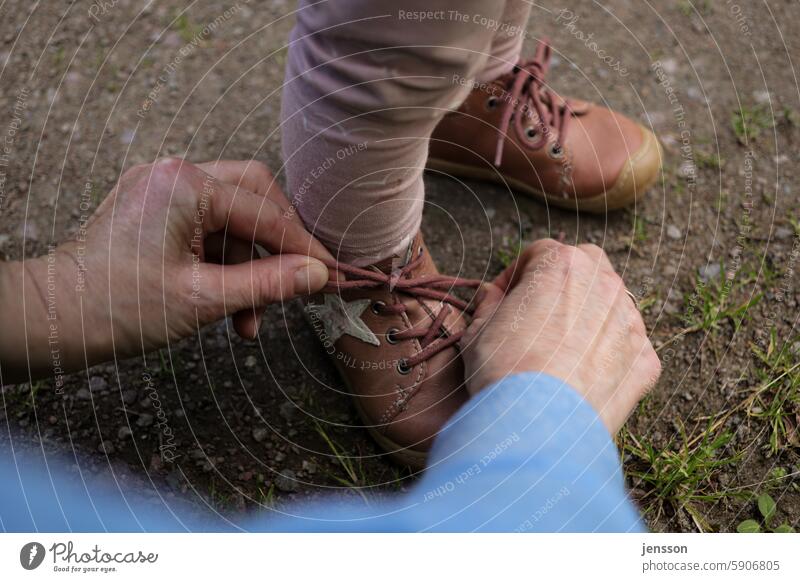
[570, 153]
[391, 330]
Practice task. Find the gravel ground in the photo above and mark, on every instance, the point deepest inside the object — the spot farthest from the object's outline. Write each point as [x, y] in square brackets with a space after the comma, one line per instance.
[90, 89]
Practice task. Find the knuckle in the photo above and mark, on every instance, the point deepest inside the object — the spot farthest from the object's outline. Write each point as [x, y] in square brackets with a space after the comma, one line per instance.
[591, 248]
[168, 168]
[260, 171]
[270, 287]
[546, 245]
[612, 284]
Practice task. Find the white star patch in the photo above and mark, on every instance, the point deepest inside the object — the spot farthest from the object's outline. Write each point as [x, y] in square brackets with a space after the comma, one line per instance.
[342, 317]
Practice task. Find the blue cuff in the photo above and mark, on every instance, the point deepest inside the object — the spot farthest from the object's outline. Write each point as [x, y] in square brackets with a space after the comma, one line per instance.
[528, 454]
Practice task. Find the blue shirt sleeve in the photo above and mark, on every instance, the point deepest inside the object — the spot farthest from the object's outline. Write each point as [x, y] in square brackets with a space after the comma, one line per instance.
[526, 454]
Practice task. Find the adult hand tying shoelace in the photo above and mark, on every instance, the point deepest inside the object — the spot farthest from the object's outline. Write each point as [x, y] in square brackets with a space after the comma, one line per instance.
[170, 249]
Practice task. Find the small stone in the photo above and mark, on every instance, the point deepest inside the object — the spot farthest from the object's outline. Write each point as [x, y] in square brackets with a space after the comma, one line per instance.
[287, 410]
[695, 94]
[710, 271]
[783, 232]
[260, 434]
[286, 481]
[83, 394]
[669, 66]
[129, 396]
[250, 361]
[670, 308]
[97, 384]
[687, 169]
[144, 420]
[309, 467]
[280, 457]
[127, 136]
[106, 447]
[761, 97]
[124, 432]
[674, 232]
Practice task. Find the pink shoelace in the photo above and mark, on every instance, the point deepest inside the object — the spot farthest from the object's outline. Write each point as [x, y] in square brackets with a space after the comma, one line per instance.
[434, 287]
[529, 94]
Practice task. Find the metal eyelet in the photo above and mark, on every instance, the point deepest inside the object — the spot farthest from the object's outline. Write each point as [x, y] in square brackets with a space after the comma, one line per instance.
[531, 133]
[391, 335]
[377, 306]
[419, 251]
[403, 367]
[556, 151]
[491, 103]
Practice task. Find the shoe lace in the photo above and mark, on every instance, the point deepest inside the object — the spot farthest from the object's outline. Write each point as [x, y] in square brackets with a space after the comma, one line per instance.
[526, 87]
[435, 338]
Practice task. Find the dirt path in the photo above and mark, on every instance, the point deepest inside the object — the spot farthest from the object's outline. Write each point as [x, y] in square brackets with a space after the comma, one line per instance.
[89, 89]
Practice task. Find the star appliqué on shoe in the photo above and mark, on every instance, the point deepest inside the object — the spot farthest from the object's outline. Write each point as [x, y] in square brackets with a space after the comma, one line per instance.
[342, 317]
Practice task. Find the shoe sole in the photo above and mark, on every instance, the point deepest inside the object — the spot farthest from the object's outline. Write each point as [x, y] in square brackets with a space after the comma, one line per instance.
[399, 454]
[640, 172]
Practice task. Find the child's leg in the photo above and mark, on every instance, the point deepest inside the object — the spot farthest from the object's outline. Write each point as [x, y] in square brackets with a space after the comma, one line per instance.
[367, 81]
[507, 42]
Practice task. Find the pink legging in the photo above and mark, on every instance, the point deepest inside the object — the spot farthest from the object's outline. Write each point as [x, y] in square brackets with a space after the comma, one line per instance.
[367, 81]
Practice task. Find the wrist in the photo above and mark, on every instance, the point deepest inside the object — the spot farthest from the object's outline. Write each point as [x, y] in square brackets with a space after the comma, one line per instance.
[41, 318]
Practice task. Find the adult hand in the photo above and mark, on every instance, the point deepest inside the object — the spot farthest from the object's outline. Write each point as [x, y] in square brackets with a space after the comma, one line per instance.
[564, 311]
[169, 250]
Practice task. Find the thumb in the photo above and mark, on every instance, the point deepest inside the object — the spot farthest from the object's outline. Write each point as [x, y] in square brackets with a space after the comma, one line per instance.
[263, 281]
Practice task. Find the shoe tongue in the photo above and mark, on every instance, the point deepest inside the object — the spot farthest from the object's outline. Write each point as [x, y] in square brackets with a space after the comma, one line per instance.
[397, 261]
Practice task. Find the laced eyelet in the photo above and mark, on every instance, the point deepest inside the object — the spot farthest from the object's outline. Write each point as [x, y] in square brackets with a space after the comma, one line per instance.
[491, 103]
[531, 134]
[556, 151]
[403, 367]
[377, 306]
[419, 251]
[391, 335]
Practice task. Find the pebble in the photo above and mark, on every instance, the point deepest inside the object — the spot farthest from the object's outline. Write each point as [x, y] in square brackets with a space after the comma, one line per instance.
[97, 384]
[144, 420]
[250, 362]
[106, 447]
[259, 434]
[83, 394]
[669, 66]
[687, 170]
[710, 271]
[127, 136]
[783, 232]
[674, 232]
[762, 97]
[287, 410]
[286, 481]
[129, 396]
[124, 432]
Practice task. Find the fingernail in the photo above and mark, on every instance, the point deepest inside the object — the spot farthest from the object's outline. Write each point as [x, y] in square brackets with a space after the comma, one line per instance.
[310, 278]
